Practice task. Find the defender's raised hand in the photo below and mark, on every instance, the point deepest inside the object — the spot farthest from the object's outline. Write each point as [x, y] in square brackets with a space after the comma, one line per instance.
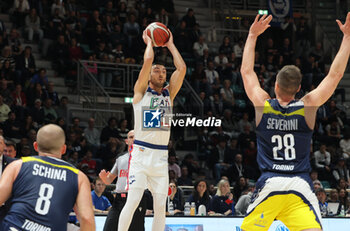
[345, 28]
[260, 25]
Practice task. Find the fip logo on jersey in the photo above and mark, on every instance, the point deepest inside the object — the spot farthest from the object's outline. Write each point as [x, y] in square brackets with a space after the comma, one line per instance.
[151, 118]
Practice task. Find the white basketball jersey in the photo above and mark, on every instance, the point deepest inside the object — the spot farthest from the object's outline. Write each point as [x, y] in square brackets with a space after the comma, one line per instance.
[153, 117]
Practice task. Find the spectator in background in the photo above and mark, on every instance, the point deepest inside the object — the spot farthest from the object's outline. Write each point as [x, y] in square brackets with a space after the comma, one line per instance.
[302, 37]
[92, 135]
[222, 202]
[333, 131]
[226, 47]
[90, 162]
[244, 201]
[131, 29]
[211, 81]
[62, 109]
[217, 160]
[6, 92]
[4, 110]
[174, 166]
[241, 185]
[216, 105]
[122, 129]
[288, 27]
[323, 162]
[110, 151]
[184, 180]
[189, 19]
[6, 55]
[286, 52]
[6, 71]
[37, 112]
[28, 125]
[100, 202]
[181, 37]
[50, 115]
[322, 197]
[228, 124]
[50, 93]
[14, 42]
[10, 149]
[164, 57]
[40, 78]
[227, 95]
[200, 194]
[25, 66]
[245, 137]
[162, 17]
[333, 196]
[122, 12]
[238, 49]
[76, 128]
[344, 200]
[220, 62]
[237, 169]
[345, 145]
[317, 184]
[109, 131]
[12, 127]
[19, 98]
[199, 47]
[58, 5]
[176, 198]
[60, 54]
[191, 164]
[341, 171]
[21, 8]
[32, 25]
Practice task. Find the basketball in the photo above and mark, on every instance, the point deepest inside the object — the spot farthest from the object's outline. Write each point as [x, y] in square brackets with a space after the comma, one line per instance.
[159, 33]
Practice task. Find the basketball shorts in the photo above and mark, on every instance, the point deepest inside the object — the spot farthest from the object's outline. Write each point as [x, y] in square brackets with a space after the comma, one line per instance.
[288, 199]
[149, 167]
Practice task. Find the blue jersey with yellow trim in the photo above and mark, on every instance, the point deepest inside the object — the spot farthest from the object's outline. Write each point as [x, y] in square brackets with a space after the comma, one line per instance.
[43, 194]
[283, 138]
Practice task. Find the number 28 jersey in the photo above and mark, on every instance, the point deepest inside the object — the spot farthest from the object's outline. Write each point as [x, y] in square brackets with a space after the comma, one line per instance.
[283, 138]
[43, 194]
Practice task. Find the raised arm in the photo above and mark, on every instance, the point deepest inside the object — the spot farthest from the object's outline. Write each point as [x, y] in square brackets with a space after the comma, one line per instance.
[178, 76]
[83, 206]
[325, 89]
[142, 81]
[250, 80]
[8, 176]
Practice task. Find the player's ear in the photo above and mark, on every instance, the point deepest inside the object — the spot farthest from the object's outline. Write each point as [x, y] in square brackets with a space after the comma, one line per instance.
[35, 144]
[299, 88]
[63, 149]
[126, 141]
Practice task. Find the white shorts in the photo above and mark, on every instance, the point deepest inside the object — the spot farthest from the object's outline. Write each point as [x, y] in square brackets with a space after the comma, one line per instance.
[148, 169]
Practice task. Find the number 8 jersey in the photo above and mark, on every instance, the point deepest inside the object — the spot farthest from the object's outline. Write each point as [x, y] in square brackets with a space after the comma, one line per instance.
[283, 138]
[43, 195]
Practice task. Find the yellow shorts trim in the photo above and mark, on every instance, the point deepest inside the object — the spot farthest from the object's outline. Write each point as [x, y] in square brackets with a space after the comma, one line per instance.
[289, 208]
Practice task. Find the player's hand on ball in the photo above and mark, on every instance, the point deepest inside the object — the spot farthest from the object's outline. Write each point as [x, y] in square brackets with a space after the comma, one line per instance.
[170, 41]
[146, 38]
[260, 25]
[345, 28]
